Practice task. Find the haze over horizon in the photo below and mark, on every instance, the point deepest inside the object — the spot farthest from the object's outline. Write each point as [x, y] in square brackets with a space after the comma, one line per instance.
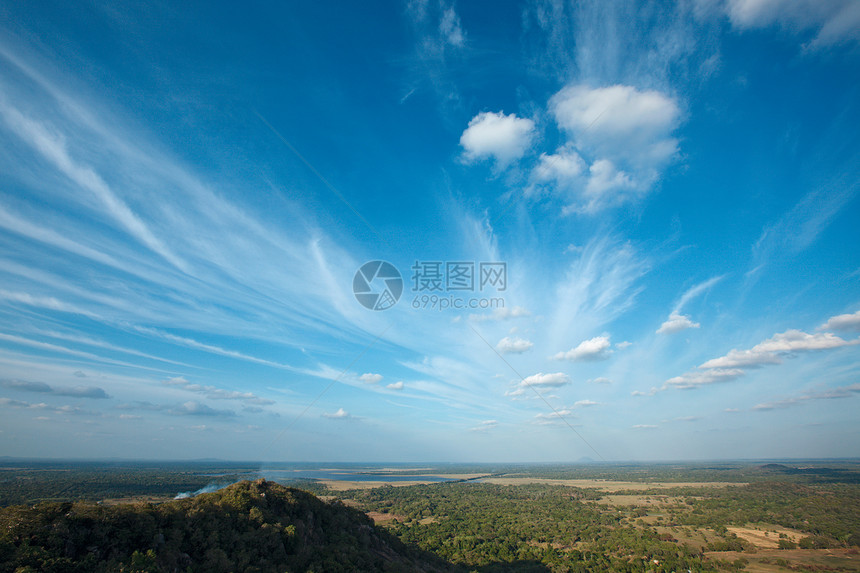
[656, 204]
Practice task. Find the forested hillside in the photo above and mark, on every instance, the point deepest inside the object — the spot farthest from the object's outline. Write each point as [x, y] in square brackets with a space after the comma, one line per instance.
[250, 526]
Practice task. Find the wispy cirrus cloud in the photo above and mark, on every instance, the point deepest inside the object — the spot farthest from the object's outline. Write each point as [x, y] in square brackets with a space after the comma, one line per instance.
[677, 321]
[53, 149]
[555, 417]
[485, 426]
[829, 394]
[827, 22]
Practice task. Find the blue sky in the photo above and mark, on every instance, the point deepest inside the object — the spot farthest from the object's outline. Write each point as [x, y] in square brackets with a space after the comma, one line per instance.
[188, 191]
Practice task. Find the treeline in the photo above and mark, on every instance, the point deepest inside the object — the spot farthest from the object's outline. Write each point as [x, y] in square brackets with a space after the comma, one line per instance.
[829, 514]
[832, 472]
[250, 526]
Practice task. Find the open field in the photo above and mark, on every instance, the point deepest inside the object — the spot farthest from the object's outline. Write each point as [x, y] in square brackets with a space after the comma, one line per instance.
[771, 560]
[343, 485]
[766, 537]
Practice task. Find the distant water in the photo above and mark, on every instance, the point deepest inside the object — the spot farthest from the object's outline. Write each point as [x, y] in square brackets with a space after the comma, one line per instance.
[286, 473]
[344, 475]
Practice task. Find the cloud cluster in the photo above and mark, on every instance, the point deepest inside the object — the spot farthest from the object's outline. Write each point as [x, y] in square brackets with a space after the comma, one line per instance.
[218, 393]
[44, 407]
[618, 141]
[771, 351]
[370, 378]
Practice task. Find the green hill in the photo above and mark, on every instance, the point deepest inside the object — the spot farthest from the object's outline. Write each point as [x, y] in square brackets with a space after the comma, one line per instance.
[250, 526]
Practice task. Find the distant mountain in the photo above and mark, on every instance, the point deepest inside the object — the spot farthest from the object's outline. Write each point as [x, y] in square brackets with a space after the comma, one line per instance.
[775, 467]
[249, 526]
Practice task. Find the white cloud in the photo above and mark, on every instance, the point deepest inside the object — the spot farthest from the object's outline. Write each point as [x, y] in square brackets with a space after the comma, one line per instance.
[644, 426]
[842, 322]
[339, 415]
[552, 417]
[831, 21]
[619, 123]
[370, 378]
[395, 385]
[600, 380]
[503, 137]
[484, 426]
[650, 392]
[513, 345]
[695, 379]
[585, 403]
[676, 323]
[623, 344]
[769, 351]
[596, 348]
[609, 117]
[540, 381]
